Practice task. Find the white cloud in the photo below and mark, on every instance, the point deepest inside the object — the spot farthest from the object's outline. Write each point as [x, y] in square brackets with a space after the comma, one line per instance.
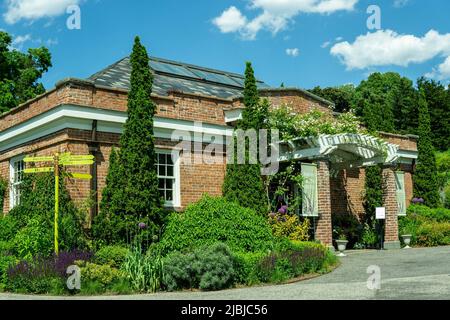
[35, 9]
[18, 41]
[231, 20]
[325, 44]
[442, 72]
[386, 47]
[276, 15]
[294, 52]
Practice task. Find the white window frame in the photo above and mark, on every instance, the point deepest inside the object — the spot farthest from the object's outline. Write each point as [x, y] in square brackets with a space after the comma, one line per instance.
[176, 202]
[13, 184]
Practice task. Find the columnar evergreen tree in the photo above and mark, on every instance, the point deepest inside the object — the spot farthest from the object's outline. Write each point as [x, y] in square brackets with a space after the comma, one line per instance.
[439, 108]
[243, 182]
[426, 176]
[132, 195]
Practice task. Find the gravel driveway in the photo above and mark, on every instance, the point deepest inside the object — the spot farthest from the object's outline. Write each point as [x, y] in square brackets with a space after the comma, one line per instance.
[405, 274]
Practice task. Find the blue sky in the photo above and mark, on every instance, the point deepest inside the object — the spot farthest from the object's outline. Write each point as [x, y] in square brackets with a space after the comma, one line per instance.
[302, 43]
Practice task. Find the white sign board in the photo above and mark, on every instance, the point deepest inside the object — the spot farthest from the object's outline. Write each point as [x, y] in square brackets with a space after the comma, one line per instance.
[381, 213]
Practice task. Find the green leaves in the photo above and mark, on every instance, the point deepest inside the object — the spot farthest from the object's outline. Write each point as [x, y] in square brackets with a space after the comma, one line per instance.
[19, 73]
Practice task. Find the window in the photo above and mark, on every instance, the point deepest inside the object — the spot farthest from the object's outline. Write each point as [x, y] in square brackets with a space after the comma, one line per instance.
[16, 175]
[401, 194]
[168, 174]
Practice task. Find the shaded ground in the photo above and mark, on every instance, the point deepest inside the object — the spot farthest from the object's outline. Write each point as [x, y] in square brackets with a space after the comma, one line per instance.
[405, 274]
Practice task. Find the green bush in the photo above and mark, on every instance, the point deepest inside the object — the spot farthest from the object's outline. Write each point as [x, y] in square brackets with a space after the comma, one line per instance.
[5, 263]
[33, 240]
[245, 267]
[8, 228]
[104, 275]
[428, 227]
[213, 220]
[289, 259]
[112, 255]
[6, 248]
[207, 268]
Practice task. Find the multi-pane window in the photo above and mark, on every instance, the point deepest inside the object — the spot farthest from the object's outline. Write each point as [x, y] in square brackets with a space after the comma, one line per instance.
[167, 177]
[17, 168]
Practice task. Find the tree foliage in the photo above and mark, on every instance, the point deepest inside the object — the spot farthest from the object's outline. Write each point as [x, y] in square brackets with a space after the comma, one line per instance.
[20, 72]
[426, 177]
[438, 100]
[132, 194]
[243, 182]
[342, 97]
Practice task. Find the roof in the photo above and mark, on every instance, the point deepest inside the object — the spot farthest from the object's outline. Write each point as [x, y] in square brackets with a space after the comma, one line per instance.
[176, 76]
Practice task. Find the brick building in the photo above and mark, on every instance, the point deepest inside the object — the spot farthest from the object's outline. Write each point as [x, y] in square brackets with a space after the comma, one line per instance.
[84, 116]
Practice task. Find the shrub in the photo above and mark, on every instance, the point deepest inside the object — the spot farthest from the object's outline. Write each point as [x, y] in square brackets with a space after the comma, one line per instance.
[208, 268]
[6, 248]
[428, 227]
[213, 220]
[290, 226]
[33, 240]
[8, 228]
[111, 255]
[43, 274]
[292, 259]
[104, 275]
[6, 262]
[245, 267]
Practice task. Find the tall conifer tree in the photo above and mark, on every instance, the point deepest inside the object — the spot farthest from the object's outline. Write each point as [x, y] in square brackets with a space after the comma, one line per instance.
[132, 195]
[243, 182]
[426, 177]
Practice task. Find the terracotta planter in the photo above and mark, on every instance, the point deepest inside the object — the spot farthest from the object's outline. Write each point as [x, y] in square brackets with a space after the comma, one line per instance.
[342, 245]
[407, 241]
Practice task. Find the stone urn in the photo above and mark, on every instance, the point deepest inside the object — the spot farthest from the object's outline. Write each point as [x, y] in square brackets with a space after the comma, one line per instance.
[406, 240]
[341, 245]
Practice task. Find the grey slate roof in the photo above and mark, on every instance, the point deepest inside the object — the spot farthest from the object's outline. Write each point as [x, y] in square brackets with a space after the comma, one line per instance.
[176, 76]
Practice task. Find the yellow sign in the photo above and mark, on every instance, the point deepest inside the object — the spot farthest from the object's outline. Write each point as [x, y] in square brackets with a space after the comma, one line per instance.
[82, 176]
[39, 170]
[69, 157]
[76, 162]
[38, 159]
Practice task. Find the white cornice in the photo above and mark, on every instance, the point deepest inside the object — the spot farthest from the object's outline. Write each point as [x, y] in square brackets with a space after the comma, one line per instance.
[78, 117]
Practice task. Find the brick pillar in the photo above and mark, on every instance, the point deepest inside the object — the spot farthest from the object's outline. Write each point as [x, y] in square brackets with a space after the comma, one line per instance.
[324, 232]
[391, 240]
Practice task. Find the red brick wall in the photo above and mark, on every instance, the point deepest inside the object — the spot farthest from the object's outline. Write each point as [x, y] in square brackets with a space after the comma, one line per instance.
[299, 102]
[390, 203]
[324, 232]
[347, 192]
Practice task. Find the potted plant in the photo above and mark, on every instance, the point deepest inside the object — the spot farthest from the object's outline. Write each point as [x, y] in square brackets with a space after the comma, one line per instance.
[407, 240]
[341, 243]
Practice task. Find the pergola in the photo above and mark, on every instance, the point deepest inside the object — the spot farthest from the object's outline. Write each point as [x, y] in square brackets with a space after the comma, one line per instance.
[346, 150]
[326, 154]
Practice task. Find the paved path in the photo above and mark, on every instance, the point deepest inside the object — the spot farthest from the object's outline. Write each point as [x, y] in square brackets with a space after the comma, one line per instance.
[405, 274]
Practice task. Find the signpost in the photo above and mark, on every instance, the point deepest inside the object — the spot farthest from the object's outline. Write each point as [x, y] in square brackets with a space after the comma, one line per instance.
[58, 160]
[380, 215]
